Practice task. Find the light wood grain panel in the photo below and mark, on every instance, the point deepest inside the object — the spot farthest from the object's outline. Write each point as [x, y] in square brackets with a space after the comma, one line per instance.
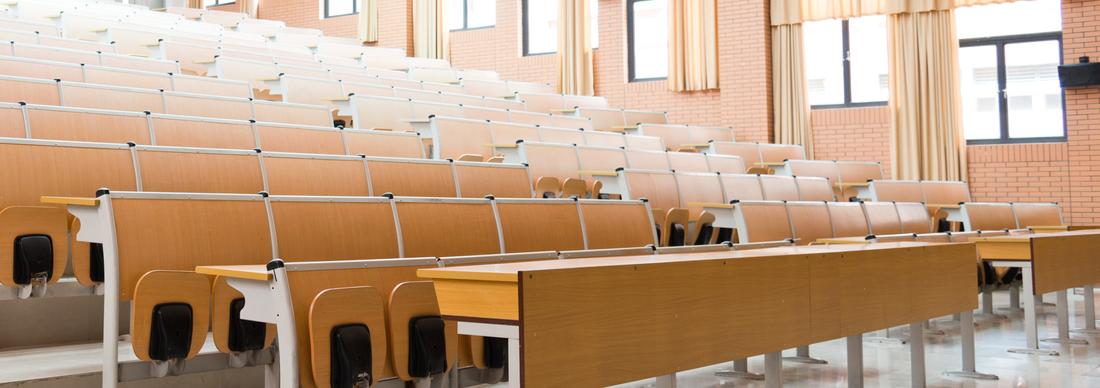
[742, 187]
[814, 189]
[98, 75]
[900, 191]
[222, 296]
[601, 159]
[882, 217]
[459, 136]
[478, 299]
[157, 287]
[1064, 261]
[196, 105]
[625, 322]
[952, 265]
[17, 221]
[557, 136]
[413, 300]
[777, 153]
[552, 161]
[764, 221]
[1037, 214]
[78, 95]
[188, 172]
[293, 114]
[659, 188]
[85, 126]
[615, 225]
[195, 133]
[337, 307]
[11, 123]
[990, 216]
[808, 221]
[945, 192]
[33, 171]
[749, 152]
[647, 160]
[779, 188]
[858, 172]
[688, 162]
[49, 53]
[301, 140]
[605, 139]
[136, 63]
[913, 217]
[698, 188]
[644, 143]
[410, 178]
[184, 234]
[211, 86]
[303, 176]
[476, 181]
[335, 230]
[673, 136]
[818, 168]
[725, 164]
[847, 219]
[533, 227]
[42, 70]
[448, 229]
[374, 144]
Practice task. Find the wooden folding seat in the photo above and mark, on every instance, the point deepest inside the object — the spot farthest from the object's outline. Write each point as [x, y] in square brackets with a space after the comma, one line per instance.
[477, 180]
[550, 160]
[560, 136]
[458, 136]
[207, 106]
[410, 303]
[84, 95]
[184, 131]
[299, 138]
[547, 187]
[500, 103]
[813, 189]
[40, 68]
[253, 72]
[604, 139]
[760, 221]
[383, 143]
[848, 219]
[211, 86]
[288, 113]
[945, 192]
[540, 225]
[897, 191]
[809, 221]
[353, 229]
[165, 294]
[779, 188]
[742, 187]
[680, 136]
[688, 162]
[617, 224]
[194, 170]
[914, 217]
[749, 152]
[369, 112]
[644, 143]
[434, 75]
[138, 63]
[485, 88]
[882, 218]
[988, 216]
[600, 158]
[125, 77]
[411, 177]
[314, 174]
[448, 227]
[29, 90]
[77, 124]
[1030, 214]
[361, 88]
[853, 175]
[55, 54]
[574, 188]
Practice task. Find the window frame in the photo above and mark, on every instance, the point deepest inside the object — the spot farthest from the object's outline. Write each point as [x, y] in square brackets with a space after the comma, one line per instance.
[218, 3]
[466, 18]
[999, 42]
[325, 14]
[526, 34]
[845, 55]
[630, 44]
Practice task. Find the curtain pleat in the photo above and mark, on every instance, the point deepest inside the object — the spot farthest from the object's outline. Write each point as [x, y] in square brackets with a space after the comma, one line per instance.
[692, 45]
[574, 48]
[194, 4]
[250, 7]
[430, 29]
[791, 107]
[925, 103]
[798, 11]
[367, 30]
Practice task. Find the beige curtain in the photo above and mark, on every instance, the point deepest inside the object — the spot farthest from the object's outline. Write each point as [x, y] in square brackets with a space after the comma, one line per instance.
[250, 7]
[574, 48]
[367, 29]
[792, 109]
[692, 45]
[927, 139]
[194, 4]
[797, 11]
[430, 29]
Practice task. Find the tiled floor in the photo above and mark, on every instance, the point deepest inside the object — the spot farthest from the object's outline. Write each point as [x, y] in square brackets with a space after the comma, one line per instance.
[887, 365]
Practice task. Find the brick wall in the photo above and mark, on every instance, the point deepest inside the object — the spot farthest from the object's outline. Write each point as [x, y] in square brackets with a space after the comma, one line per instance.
[1081, 36]
[307, 14]
[852, 134]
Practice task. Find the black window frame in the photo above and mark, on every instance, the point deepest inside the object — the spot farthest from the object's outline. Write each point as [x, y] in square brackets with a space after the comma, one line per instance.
[218, 3]
[526, 48]
[846, 57]
[999, 43]
[630, 44]
[354, 10]
[466, 18]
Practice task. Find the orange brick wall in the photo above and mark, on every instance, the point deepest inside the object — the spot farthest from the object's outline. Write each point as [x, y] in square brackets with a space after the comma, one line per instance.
[852, 134]
[307, 14]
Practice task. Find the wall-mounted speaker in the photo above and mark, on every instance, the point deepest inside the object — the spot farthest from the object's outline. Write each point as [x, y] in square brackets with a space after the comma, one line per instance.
[1080, 74]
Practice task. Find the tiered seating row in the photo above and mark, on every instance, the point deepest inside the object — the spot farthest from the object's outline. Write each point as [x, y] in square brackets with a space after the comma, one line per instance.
[454, 137]
[36, 68]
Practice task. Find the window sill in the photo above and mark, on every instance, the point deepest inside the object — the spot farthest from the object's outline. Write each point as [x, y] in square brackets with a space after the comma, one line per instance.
[341, 15]
[474, 28]
[1025, 140]
[539, 54]
[852, 105]
[640, 80]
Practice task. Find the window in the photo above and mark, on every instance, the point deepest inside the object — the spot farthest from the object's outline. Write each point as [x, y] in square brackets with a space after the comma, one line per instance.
[468, 14]
[211, 3]
[1008, 72]
[540, 26]
[335, 8]
[647, 39]
[847, 62]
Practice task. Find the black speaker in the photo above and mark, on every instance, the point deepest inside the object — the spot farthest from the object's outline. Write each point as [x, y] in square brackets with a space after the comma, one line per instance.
[1080, 74]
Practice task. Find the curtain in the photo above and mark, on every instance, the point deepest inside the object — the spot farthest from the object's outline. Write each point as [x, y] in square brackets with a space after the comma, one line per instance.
[430, 29]
[250, 7]
[194, 4]
[574, 48]
[797, 11]
[692, 45]
[791, 106]
[925, 103]
[367, 29]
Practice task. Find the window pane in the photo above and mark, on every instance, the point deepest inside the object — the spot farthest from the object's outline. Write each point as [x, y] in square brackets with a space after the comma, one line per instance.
[868, 58]
[481, 13]
[823, 45]
[650, 39]
[542, 26]
[981, 107]
[455, 16]
[1021, 17]
[340, 7]
[1034, 94]
[594, 19]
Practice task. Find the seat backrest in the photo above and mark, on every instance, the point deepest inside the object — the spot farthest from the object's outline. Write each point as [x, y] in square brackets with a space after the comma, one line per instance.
[945, 192]
[314, 174]
[897, 191]
[183, 131]
[193, 170]
[882, 217]
[11, 121]
[352, 229]
[288, 113]
[476, 180]
[617, 224]
[725, 164]
[458, 136]
[810, 221]
[760, 221]
[33, 169]
[644, 143]
[848, 219]
[659, 187]
[813, 168]
[59, 123]
[411, 177]
[383, 143]
[540, 225]
[988, 216]
[300, 138]
[552, 160]
[647, 160]
[113, 97]
[777, 153]
[688, 161]
[1037, 214]
[779, 188]
[743, 187]
[858, 172]
[29, 90]
[814, 188]
[601, 158]
[634, 117]
[604, 119]
[510, 133]
[560, 136]
[212, 86]
[447, 227]
[749, 152]
[914, 217]
[698, 188]
[604, 139]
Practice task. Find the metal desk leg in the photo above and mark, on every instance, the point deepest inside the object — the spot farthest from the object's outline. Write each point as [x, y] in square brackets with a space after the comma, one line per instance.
[1027, 295]
[666, 381]
[1090, 311]
[987, 304]
[773, 370]
[916, 354]
[1062, 307]
[740, 370]
[855, 361]
[513, 363]
[1014, 296]
[802, 355]
[969, 365]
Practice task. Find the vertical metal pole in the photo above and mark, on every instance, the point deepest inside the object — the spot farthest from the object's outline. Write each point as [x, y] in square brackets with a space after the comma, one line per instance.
[666, 381]
[969, 365]
[1014, 295]
[1028, 295]
[916, 354]
[513, 363]
[855, 361]
[1062, 306]
[1090, 308]
[773, 370]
